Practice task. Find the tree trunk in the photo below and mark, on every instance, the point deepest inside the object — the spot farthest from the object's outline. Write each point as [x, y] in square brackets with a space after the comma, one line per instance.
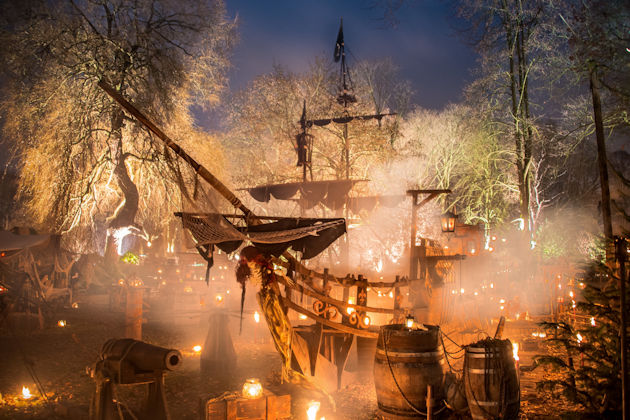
[125, 213]
[601, 157]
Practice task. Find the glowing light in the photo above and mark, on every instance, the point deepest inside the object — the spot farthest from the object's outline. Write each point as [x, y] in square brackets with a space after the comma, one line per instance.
[119, 234]
[494, 238]
[75, 305]
[311, 410]
[149, 244]
[492, 285]
[559, 286]
[252, 388]
[453, 291]
[366, 321]
[219, 298]
[502, 307]
[502, 301]
[26, 393]
[490, 249]
[517, 316]
[532, 244]
[302, 316]
[61, 323]
[409, 321]
[350, 311]
[188, 289]
[391, 295]
[503, 239]
[256, 317]
[476, 293]
[579, 338]
[379, 266]
[515, 351]
[197, 349]
[461, 290]
[571, 294]
[593, 321]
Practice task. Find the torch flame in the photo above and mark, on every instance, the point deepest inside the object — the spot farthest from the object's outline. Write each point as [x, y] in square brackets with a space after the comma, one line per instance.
[26, 393]
[312, 409]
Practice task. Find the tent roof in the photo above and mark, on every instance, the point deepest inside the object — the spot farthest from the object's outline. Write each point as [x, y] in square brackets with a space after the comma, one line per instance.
[11, 242]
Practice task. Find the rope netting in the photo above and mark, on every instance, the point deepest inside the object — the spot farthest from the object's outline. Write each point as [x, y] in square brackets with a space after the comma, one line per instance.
[214, 228]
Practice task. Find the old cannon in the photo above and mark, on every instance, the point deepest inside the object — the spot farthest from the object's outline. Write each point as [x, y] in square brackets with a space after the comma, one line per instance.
[131, 362]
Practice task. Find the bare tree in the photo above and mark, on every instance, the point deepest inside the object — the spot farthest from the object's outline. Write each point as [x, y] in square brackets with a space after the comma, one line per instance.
[84, 165]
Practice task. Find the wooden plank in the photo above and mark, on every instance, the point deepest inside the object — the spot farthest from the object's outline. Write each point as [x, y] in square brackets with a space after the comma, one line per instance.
[278, 407]
[316, 342]
[326, 374]
[343, 350]
[251, 409]
[332, 324]
[300, 351]
[337, 303]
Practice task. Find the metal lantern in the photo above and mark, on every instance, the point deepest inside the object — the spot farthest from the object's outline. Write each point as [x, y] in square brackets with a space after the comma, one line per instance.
[448, 221]
[252, 388]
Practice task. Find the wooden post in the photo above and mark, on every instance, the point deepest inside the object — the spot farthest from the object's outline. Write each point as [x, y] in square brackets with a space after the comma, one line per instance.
[417, 254]
[397, 302]
[621, 249]
[133, 313]
[362, 300]
[429, 403]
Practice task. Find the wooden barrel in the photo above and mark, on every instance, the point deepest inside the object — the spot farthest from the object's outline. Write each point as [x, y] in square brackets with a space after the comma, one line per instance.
[491, 381]
[405, 363]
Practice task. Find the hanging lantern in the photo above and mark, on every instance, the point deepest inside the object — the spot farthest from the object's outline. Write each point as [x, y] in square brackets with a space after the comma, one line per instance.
[252, 388]
[448, 221]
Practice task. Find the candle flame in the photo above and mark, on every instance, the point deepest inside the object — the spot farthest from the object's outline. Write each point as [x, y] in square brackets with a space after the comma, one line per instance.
[26, 393]
[312, 409]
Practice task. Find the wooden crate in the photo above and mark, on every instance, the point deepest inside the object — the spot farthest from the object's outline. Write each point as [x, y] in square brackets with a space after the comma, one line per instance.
[267, 407]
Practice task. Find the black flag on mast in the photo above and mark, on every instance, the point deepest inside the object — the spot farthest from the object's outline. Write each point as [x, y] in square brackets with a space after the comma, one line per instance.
[339, 43]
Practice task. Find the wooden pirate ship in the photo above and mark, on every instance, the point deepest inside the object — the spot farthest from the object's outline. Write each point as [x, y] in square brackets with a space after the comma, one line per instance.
[323, 352]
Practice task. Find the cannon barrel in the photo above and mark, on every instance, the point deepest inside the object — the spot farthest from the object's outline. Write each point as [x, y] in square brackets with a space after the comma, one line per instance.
[143, 356]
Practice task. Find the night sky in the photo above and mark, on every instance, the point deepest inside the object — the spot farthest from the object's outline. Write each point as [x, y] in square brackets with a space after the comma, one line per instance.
[423, 44]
